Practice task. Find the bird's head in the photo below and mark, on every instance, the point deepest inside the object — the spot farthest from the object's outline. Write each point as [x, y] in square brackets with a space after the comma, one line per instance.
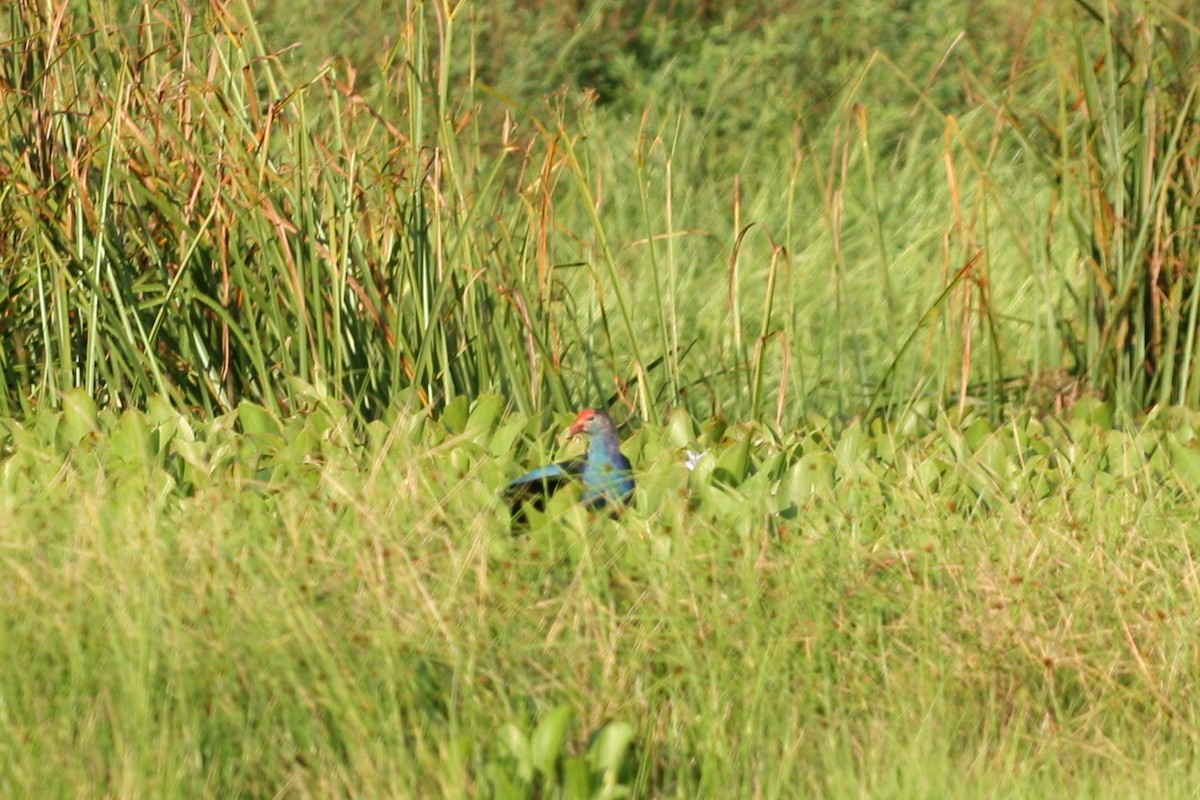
[590, 421]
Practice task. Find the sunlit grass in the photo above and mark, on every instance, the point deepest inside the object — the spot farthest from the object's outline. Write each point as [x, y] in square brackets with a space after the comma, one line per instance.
[279, 326]
[208, 614]
[210, 220]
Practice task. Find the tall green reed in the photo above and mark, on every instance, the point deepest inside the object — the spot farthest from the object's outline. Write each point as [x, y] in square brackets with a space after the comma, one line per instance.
[1121, 149]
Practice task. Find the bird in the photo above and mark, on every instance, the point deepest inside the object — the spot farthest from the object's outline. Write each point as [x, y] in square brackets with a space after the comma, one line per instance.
[605, 474]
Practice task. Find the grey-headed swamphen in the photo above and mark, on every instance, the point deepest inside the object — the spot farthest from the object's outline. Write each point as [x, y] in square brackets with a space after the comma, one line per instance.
[604, 473]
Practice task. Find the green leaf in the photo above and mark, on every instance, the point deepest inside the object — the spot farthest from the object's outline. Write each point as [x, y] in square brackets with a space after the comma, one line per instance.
[734, 463]
[811, 475]
[454, 418]
[514, 741]
[1186, 463]
[1093, 411]
[130, 440]
[253, 418]
[608, 749]
[485, 413]
[504, 438]
[680, 428]
[78, 417]
[850, 448]
[577, 782]
[546, 745]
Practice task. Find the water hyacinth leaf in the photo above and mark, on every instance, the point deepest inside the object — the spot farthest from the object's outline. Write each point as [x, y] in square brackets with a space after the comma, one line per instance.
[774, 466]
[413, 425]
[757, 487]
[326, 418]
[712, 431]
[502, 785]
[513, 740]
[1124, 459]
[254, 419]
[1158, 459]
[643, 446]
[1093, 411]
[461, 459]
[79, 418]
[485, 412]
[506, 437]
[1043, 478]
[1185, 462]
[167, 423]
[549, 738]
[1148, 443]
[977, 433]
[850, 448]
[885, 448]
[681, 431]
[929, 472]
[702, 468]
[455, 415]
[993, 455]
[1035, 437]
[734, 463]
[809, 477]
[953, 439]
[196, 465]
[608, 749]
[1182, 422]
[728, 507]
[130, 440]
[577, 779]
[45, 428]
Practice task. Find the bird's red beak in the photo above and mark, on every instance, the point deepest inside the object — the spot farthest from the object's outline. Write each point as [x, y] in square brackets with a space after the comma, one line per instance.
[580, 422]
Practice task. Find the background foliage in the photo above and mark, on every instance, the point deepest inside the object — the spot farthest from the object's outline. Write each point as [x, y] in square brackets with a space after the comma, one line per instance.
[289, 291]
[756, 212]
[244, 606]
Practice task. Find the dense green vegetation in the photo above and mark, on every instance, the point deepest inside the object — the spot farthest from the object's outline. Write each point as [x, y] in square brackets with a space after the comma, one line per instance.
[289, 291]
[759, 214]
[243, 607]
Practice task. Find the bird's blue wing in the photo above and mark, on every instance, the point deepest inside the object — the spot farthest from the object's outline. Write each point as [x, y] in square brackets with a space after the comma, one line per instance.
[550, 472]
[538, 484]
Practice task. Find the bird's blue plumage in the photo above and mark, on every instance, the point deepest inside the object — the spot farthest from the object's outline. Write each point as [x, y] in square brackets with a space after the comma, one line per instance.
[605, 474]
[551, 472]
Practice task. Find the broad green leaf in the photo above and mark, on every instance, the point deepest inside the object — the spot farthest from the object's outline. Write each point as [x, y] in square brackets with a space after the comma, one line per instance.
[811, 475]
[486, 411]
[702, 471]
[1093, 411]
[130, 440]
[976, 433]
[929, 472]
[681, 431]
[711, 431]
[850, 448]
[549, 738]
[953, 438]
[253, 418]
[734, 463]
[503, 786]
[78, 418]
[577, 783]
[514, 741]
[456, 413]
[45, 428]
[505, 438]
[1185, 462]
[608, 749]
